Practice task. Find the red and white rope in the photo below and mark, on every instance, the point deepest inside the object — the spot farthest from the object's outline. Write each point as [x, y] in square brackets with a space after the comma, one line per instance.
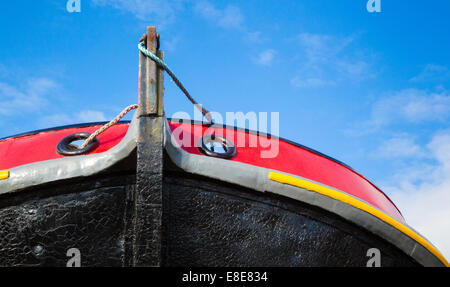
[108, 125]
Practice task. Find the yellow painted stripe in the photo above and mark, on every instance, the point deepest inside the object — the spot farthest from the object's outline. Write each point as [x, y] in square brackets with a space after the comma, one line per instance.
[4, 174]
[282, 178]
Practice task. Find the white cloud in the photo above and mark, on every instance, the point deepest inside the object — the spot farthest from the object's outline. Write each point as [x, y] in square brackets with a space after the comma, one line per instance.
[329, 60]
[229, 17]
[265, 58]
[91, 116]
[33, 102]
[61, 119]
[401, 146]
[298, 82]
[161, 11]
[165, 11]
[432, 72]
[322, 48]
[411, 105]
[408, 106]
[28, 98]
[55, 120]
[355, 69]
[422, 193]
[170, 44]
[255, 37]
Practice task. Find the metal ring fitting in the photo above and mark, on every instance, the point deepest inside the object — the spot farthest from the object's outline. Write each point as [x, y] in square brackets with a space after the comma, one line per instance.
[228, 150]
[67, 149]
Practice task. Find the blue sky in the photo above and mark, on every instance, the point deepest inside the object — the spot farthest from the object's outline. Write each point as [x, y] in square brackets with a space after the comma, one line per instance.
[370, 89]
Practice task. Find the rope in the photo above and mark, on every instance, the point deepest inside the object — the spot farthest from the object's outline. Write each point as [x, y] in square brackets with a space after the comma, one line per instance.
[160, 63]
[108, 125]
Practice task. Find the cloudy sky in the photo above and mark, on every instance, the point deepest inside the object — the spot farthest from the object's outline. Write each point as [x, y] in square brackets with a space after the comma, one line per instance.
[370, 89]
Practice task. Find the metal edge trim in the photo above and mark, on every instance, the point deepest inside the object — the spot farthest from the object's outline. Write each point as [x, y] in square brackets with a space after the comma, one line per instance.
[37, 173]
[268, 135]
[257, 178]
[341, 196]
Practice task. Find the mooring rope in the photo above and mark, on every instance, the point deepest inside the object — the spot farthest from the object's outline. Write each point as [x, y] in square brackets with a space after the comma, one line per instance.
[108, 125]
[160, 63]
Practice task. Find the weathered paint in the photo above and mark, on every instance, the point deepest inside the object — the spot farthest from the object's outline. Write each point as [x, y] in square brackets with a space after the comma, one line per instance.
[290, 159]
[17, 151]
[147, 242]
[340, 196]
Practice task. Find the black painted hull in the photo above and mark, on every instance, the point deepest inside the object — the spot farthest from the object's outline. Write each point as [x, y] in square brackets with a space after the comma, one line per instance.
[205, 223]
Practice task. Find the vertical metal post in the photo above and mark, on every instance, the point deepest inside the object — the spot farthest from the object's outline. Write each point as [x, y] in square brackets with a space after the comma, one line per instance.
[149, 174]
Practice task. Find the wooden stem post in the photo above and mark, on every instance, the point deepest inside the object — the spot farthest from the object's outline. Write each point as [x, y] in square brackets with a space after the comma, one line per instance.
[148, 209]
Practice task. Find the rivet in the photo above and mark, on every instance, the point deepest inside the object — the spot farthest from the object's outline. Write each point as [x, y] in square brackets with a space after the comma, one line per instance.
[38, 250]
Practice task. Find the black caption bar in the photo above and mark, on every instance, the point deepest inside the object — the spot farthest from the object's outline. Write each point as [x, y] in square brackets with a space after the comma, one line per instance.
[202, 277]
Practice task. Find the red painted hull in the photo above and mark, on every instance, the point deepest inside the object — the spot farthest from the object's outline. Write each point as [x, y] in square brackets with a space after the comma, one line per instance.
[41, 146]
[290, 158]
